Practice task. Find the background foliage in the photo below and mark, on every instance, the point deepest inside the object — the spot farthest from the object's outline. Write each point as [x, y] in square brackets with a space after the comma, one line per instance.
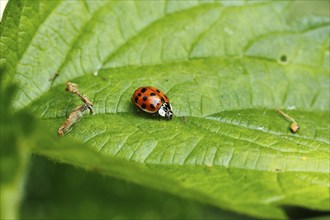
[225, 66]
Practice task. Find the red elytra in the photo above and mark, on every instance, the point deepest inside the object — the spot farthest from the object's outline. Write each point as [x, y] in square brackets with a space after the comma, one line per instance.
[152, 100]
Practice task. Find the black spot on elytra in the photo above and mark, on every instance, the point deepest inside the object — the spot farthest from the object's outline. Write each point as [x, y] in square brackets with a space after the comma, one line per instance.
[143, 90]
[152, 106]
[157, 91]
[152, 94]
[139, 94]
[143, 105]
[145, 98]
[163, 100]
[165, 96]
[136, 99]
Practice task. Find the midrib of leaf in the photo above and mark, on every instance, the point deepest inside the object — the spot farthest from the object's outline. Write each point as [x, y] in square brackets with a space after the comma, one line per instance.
[200, 136]
[295, 138]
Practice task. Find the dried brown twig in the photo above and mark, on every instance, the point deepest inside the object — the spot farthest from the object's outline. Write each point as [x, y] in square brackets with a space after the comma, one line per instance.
[77, 113]
[73, 88]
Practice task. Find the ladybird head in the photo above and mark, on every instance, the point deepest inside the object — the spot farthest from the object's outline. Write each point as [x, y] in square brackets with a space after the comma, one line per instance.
[165, 110]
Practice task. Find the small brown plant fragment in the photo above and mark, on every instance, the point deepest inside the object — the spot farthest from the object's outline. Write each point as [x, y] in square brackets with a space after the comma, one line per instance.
[77, 113]
[294, 127]
[73, 88]
[73, 117]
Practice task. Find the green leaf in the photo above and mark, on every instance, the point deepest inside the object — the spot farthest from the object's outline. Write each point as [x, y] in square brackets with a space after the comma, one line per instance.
[225, 67]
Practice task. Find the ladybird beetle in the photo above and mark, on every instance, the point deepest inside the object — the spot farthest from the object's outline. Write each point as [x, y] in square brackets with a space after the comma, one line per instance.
[152, 100]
